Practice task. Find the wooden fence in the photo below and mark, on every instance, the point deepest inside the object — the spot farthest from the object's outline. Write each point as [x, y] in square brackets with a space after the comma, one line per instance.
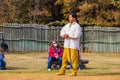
[35, 37]
[102, 39]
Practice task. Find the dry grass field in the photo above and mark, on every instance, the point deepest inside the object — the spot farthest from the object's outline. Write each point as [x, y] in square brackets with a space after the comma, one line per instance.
[33, 66]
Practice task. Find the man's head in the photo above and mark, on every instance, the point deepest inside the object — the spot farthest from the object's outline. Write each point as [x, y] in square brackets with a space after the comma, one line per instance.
[72, 17]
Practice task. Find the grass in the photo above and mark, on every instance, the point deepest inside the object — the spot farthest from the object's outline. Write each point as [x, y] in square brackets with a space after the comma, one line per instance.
[36, 62]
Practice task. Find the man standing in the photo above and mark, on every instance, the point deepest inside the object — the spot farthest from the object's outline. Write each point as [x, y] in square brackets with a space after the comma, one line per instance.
[71, 33]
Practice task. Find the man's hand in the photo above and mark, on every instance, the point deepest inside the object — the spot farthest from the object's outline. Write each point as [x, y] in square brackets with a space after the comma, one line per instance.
[65, 36]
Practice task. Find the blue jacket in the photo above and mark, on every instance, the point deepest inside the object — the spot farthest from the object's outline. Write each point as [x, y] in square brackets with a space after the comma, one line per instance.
[2, 56]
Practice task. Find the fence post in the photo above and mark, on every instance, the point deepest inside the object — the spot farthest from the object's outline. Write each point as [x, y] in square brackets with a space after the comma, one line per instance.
[57, 34]
[92, 40]
[83, 39]
[50, 34]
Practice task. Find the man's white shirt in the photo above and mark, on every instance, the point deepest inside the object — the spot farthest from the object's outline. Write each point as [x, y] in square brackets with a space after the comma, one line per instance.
[74, 31]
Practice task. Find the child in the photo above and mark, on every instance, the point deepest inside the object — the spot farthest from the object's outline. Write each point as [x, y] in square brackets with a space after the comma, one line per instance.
[2, 59]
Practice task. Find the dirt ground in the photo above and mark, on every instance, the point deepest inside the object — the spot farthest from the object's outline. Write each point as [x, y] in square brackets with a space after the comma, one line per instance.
[53, 76]
[32, 66]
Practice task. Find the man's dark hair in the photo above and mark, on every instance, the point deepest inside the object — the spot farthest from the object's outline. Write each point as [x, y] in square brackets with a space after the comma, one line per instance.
[74, 16]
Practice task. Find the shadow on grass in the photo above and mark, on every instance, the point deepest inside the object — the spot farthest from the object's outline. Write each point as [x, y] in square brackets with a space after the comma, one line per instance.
[83, 68]
[89, 68]
[15, 68]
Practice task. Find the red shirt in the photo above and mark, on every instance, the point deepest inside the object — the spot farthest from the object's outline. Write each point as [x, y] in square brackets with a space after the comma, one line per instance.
[52, 52]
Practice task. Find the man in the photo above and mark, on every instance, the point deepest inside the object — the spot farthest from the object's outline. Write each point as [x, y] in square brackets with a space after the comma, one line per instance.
[71, 33]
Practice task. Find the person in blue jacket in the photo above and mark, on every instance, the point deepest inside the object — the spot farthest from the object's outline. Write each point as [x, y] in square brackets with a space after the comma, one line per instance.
[2, 59]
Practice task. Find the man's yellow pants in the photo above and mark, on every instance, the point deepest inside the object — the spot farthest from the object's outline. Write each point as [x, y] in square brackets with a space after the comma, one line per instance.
[70, 55]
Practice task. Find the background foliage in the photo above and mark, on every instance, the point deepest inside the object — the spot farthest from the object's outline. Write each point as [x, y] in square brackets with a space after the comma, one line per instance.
[90, 12]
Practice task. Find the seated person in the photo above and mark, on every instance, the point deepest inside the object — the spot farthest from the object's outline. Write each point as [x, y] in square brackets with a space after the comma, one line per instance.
[2, 59]
[55, 54]
[79, 65]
